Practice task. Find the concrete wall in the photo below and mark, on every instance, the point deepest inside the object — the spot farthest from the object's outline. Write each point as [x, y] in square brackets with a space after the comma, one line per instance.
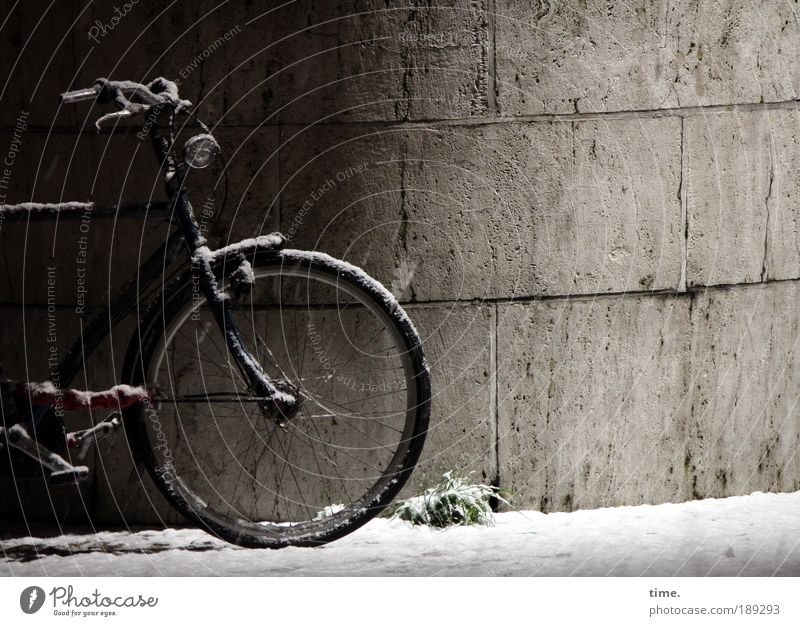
[589, 207]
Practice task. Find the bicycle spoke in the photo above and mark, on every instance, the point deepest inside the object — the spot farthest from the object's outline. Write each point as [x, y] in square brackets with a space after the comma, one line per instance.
[335, 469]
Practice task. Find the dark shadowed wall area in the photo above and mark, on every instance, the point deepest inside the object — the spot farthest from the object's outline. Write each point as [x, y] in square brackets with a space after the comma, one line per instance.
[589, 209]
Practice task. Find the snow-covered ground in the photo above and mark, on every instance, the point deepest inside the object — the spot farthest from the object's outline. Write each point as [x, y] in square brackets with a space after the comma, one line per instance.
[751, 535]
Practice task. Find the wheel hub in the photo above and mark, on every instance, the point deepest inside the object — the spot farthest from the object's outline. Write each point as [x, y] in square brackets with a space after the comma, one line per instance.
[285, 410]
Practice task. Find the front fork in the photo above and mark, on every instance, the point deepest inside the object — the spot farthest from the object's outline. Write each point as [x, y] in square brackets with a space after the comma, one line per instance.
[279, 404]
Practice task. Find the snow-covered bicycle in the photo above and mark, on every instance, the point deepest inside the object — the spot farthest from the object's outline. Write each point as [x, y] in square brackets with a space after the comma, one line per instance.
[277, 397]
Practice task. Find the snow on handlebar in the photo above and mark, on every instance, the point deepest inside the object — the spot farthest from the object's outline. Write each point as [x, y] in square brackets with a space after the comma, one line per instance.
[79, 95]
[129, 97]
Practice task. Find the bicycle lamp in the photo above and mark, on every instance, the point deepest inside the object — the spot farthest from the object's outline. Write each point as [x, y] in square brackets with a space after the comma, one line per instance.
[200, 150]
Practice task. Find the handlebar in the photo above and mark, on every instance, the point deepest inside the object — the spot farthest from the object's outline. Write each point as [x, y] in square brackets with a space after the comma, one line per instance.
[128, 96]
[79, 95]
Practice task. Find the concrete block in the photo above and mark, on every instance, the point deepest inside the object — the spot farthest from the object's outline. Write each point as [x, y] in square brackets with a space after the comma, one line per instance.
[628, 188]
[592, 401]
[730, 170]
[741, 190]
[475, 196]
[733, 52]
[567, 57]
[544, 208]
[783, 251]
[743, 433]
[563, 57]
[341, 193]
[306, 61]
[364, 61]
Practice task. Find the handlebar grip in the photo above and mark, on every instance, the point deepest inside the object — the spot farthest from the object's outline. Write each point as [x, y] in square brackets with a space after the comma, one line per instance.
[79, 95]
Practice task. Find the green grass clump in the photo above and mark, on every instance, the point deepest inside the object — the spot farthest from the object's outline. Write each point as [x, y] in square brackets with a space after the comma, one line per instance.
[451, 502]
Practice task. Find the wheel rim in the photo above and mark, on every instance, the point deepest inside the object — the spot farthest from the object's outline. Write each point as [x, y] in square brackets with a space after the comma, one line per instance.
[348, 446]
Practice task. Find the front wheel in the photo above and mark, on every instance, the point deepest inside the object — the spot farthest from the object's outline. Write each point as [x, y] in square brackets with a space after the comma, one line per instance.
[338, 338]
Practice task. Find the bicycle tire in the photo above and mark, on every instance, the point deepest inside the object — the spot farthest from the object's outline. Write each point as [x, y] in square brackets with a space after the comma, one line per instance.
[161, 328]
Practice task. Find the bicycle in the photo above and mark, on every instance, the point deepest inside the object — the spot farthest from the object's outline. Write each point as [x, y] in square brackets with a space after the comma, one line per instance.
[286, 396]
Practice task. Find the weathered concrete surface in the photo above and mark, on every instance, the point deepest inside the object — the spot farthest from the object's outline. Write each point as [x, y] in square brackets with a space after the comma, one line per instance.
[741, 172]
[783, 240]
[379, 62]
[649, 399]
[734, 51]
[480, 201]
[729, 165]
[342, 193]
[564, 57]
[460, 212]
[744, 433]
[563, 208]
[592, 401]
[458, 345]
[305, 61]
[243, 64]
[64, 167]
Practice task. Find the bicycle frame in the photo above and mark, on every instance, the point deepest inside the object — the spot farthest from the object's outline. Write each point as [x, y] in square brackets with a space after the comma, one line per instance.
[277, 403]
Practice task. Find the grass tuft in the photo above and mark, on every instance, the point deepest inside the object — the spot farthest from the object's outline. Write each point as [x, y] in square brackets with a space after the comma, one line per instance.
[451, 502]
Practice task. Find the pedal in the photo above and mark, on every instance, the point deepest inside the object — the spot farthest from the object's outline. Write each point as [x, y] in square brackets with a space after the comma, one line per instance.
[61, 471]
[76, 475]
[82, 440]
